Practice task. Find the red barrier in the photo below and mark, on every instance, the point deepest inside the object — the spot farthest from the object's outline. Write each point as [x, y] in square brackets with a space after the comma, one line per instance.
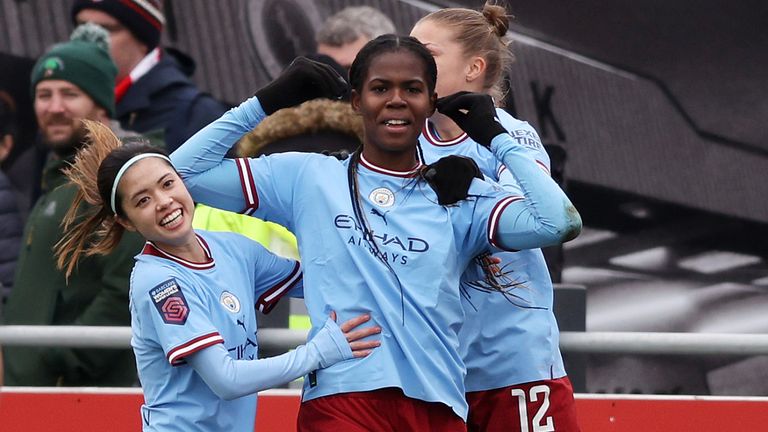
[117, 410]
[618, 413]
[114, 410]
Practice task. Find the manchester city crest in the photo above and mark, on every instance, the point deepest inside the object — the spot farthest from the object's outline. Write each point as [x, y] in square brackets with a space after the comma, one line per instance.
[229, 301]
[382, 197]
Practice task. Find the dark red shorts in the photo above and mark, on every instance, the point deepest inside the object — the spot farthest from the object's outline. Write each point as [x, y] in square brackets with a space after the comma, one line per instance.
[539, 406]
[383, 410]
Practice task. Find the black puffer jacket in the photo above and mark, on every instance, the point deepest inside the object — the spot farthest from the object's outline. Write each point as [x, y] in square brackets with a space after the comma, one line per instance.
[166, 105]
[11, 230]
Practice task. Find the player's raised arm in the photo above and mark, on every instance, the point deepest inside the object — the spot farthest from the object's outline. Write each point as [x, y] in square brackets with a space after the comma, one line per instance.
[201, 160]
[545, 216]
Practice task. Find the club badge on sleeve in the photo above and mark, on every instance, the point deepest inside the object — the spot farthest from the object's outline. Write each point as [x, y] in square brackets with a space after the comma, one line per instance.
[170, 302]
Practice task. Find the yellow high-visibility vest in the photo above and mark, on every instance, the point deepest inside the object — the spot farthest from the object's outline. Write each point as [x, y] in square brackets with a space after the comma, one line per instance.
[274, 237]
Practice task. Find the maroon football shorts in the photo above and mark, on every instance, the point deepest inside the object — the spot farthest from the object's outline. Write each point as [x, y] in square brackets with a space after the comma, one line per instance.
[539, 406]
[383, 410]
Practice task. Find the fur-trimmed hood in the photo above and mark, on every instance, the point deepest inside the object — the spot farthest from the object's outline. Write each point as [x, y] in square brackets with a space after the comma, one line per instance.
[310, 118]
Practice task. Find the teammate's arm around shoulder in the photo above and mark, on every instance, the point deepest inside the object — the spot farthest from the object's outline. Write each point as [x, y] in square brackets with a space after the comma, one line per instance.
[230, 378]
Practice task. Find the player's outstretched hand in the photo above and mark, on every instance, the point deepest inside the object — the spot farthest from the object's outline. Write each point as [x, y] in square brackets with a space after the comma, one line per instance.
[475, 114]
[354, 333]
[302, 80]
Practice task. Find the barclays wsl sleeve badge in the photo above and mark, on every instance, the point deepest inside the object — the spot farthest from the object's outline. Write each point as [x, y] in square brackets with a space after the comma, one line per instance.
[170, 302]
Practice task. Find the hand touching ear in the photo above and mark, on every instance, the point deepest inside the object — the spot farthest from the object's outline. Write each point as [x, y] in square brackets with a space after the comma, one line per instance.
[475, 114]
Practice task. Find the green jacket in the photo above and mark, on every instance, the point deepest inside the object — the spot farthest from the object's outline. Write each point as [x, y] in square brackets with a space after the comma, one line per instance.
[96, 294]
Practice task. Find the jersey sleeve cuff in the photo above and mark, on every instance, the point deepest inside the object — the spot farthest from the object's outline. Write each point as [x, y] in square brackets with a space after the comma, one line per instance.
[493, 221]
[250, 194]
[269, 299]
[177, 355]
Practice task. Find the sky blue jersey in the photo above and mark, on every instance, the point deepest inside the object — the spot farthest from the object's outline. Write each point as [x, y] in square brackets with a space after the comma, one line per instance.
[511, 339]
[180, 307]
[405, 271]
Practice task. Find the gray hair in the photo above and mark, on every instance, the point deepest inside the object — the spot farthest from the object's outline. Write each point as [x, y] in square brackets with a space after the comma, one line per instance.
[350, 23]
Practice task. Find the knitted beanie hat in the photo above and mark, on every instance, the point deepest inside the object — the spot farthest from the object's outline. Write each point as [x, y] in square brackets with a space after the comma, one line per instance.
[85, 62]
[144, 18]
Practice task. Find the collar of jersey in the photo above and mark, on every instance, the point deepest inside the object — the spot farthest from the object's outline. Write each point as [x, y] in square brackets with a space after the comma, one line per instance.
[434, 139]
[152, 249]
[380, 170]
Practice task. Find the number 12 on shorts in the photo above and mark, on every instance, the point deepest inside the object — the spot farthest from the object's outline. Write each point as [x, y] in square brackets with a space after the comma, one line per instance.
[524, 401]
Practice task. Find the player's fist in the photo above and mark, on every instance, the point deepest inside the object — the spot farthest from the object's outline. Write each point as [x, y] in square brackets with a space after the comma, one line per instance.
[450, 178]
[302, 80]
[475, 114]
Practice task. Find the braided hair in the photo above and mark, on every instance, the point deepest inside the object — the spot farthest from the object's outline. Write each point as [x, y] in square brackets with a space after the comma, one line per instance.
[358, 72]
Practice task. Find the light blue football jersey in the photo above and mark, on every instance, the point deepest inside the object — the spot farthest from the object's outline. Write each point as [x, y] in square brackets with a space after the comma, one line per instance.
[411, 289]
[179, 307]
[512, 339]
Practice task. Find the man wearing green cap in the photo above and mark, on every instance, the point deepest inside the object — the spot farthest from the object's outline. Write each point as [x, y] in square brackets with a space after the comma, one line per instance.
[69, 83]
[72, 81]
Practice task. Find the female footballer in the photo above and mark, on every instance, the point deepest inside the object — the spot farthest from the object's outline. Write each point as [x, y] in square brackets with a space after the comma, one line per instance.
[515, 379]
[193, 293]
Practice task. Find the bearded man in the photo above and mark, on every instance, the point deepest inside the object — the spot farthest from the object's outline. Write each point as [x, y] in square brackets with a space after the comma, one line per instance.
[71, 82]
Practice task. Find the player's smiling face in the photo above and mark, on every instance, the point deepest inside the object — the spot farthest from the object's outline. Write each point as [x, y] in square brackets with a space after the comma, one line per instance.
[157, 204]
[394, 101]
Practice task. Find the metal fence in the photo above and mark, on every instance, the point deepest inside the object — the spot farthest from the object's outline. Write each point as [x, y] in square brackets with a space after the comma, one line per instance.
[284, 339]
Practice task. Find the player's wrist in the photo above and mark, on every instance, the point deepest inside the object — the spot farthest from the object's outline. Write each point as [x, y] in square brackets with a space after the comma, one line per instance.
[489, 133]
[332, 345]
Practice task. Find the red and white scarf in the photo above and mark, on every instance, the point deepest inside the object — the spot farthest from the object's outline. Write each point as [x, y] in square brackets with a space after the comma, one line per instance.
[147, 63]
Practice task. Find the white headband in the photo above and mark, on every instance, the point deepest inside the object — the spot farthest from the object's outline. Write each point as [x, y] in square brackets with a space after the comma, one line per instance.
[124, 168]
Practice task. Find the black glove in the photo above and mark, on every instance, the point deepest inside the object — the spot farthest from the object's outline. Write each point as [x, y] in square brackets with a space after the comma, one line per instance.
[450, 178]
[474, 113]
[301, 81]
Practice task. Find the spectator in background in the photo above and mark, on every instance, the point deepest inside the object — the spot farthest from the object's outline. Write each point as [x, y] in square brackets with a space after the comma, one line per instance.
[154, 94]
[10, 220]
[72, 81]
[345, 32]
[24, 164]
